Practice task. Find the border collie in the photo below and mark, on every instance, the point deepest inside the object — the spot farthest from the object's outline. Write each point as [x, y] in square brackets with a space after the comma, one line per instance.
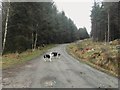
[47, 56]
[51, 55]
[55, 54]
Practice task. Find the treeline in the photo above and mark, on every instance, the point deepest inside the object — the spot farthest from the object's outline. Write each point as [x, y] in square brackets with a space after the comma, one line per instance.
[105, 18]
[27, 25]
[82, 33]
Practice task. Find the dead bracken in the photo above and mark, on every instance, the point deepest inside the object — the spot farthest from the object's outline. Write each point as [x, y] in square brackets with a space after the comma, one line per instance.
[98, 53]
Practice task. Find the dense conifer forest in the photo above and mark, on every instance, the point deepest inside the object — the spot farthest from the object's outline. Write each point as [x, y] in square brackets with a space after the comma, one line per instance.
[28, 25]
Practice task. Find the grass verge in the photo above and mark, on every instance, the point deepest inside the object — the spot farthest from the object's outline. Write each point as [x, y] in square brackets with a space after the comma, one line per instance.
[104, 57]
[13, 59]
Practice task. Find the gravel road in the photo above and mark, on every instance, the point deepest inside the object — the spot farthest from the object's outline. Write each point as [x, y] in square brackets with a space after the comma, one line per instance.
[63, 72]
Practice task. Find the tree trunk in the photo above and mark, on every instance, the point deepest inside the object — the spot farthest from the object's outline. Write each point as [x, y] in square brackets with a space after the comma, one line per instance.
[105, 38]
[6, 26]
[108, 27]
[32, 41]
[35, 41]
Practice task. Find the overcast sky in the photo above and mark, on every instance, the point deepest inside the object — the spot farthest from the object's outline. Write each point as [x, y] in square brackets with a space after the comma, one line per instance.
[78, 11]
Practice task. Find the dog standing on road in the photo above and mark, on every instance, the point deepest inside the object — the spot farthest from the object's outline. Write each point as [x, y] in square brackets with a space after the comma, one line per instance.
[51, 55]
[55, 54]
[47, 56]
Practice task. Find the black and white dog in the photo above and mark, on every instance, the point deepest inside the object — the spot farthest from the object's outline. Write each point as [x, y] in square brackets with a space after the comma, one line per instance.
[55, 54]
[51, 55]
[47, 57]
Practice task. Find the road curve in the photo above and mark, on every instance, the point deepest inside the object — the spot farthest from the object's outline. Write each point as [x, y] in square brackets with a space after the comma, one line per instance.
[65, 72]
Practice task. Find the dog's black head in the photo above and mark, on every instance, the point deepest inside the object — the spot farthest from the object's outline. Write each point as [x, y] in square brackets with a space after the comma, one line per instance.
[59, 54]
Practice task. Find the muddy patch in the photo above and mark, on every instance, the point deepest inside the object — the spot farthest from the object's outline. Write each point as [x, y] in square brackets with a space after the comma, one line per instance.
[5, 81]
[48, 81]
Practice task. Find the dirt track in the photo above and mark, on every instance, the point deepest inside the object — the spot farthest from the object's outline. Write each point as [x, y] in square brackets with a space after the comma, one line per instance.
[65, 72]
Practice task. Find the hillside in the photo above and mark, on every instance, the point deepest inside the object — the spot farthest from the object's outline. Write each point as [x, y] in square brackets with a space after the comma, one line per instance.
[103, 56]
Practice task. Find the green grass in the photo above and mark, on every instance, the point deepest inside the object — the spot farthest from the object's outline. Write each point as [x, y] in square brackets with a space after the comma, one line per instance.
[12, 59]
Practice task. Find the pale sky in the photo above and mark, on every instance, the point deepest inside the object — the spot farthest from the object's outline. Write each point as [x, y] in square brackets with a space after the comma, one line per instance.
[78, 11]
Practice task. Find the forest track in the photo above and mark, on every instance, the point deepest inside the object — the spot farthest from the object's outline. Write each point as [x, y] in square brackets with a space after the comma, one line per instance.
[65, 72]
